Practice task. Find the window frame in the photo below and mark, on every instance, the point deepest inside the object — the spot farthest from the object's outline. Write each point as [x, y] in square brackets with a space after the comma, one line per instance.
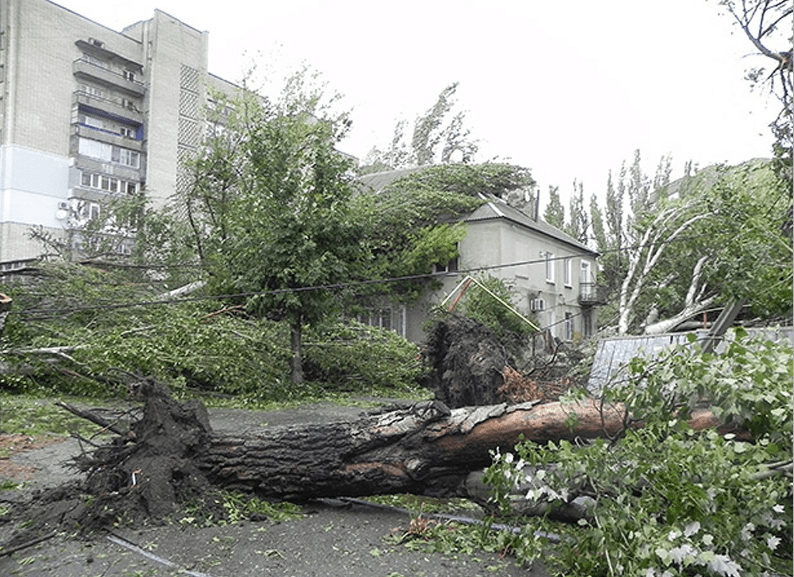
[551, 271]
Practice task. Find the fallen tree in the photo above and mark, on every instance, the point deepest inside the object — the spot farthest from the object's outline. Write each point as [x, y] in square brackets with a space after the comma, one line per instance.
[170, 456]
[424, 448]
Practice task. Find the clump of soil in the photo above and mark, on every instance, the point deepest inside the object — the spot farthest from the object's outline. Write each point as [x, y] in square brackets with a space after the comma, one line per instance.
[466, 361]
[140, 476]
[469, 366]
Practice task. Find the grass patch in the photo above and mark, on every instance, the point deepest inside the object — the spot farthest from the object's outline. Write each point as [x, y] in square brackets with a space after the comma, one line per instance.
[7, 485]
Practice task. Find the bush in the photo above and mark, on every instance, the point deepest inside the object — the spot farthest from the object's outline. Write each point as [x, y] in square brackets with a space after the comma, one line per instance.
[667, 500]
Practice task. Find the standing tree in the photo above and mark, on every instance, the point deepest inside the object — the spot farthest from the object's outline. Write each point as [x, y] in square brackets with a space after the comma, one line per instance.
[579, 223]
[434, 139]
[270, 210]
[555, 211]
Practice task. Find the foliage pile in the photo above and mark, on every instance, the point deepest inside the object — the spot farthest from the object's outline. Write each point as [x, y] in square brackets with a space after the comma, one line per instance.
[108, 343]
[664, 499]
[353, 356]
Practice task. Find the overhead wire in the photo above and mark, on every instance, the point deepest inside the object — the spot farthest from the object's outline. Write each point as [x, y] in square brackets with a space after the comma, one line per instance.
[43, 313]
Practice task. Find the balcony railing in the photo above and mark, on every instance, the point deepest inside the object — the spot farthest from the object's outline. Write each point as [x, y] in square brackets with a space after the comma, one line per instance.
[591, 295]
[82, 67]
[107, 136]
[109, 106]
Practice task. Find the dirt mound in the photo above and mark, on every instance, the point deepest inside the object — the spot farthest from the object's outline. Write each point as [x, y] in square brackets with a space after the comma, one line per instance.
[141, 476]
[470, 367]
[467, 361]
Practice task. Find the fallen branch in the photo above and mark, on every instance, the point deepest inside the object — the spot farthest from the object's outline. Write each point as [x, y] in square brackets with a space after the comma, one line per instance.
[26, 544]
[97, 420]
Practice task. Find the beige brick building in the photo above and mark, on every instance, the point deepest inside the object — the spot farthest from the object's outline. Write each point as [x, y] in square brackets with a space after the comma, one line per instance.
[88, 113]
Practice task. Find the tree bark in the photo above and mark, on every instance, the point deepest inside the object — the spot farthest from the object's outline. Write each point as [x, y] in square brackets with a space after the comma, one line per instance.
[425, 449]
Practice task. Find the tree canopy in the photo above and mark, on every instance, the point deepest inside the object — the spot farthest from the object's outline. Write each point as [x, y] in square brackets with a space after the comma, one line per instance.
[413, 223]
[435, 139]
[269, 208]
[718, 235]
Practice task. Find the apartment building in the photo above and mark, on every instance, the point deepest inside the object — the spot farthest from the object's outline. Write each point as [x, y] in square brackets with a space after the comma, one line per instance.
[88, 114]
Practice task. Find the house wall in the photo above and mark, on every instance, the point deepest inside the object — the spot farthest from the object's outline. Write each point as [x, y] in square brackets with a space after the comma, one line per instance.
[499, 241]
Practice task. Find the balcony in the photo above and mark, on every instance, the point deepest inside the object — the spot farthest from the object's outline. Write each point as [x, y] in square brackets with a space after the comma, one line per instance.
[82, 68]
[107, 136]
[111, 108]
[591, 295]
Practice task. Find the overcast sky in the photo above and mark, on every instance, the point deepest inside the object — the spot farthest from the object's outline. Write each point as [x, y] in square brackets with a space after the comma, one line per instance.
[569, 89]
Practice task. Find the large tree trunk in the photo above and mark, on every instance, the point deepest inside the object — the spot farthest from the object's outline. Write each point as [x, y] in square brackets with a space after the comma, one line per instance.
[171, 454]
[424, 449]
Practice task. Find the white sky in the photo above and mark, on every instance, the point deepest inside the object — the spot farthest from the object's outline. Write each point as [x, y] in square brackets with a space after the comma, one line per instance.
[569, 89]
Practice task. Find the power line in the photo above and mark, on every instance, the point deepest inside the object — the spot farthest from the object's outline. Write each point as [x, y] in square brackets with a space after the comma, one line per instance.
[36, 314]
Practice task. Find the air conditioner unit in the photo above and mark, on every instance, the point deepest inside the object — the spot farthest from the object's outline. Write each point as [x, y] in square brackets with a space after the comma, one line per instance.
[536, 305]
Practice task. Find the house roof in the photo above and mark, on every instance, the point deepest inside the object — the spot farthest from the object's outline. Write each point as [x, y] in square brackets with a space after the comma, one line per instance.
[613, 355]
[496, 208]
[377, 181]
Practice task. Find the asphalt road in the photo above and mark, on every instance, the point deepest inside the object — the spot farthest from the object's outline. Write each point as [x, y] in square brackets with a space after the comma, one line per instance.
[331, 539]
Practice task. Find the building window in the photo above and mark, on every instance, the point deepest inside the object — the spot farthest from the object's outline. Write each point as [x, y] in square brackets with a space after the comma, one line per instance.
[92, 90]
[584, 274]
[108, 183]
[95, 61]
[567, 267]
[90, 121]
[127, 132]
[568, 327]
[87, 210]
[380, 318]
[451, 266]
[550, 267]
[109, 153]
[125, 156]
[128, 75]
[587, 323]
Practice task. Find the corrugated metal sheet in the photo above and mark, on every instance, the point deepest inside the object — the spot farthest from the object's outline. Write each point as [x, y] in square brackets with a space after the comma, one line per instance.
[614, 354]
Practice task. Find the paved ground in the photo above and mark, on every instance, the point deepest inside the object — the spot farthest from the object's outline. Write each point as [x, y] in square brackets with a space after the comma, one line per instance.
[329, 540]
